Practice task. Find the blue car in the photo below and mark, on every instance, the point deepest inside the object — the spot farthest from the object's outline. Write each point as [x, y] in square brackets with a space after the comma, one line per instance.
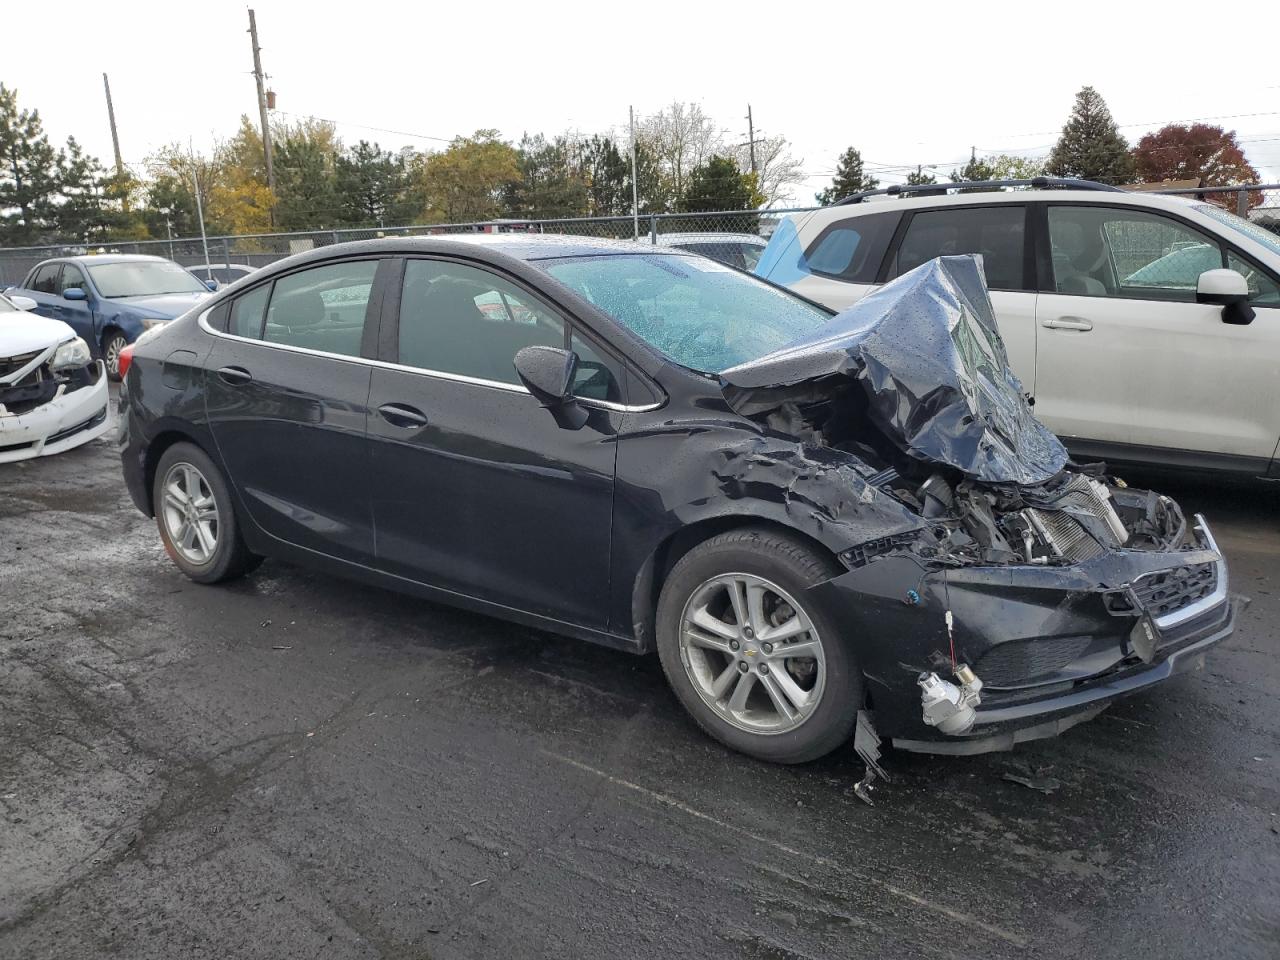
[109, 300]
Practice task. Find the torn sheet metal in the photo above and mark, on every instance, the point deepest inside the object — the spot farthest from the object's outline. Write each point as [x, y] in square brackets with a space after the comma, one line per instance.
[928, 354]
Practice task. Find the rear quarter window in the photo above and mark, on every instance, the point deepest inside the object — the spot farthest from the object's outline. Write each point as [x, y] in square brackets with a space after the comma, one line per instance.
[852, 249]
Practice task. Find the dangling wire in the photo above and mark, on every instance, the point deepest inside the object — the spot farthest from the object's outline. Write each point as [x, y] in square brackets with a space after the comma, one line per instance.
[950, 620]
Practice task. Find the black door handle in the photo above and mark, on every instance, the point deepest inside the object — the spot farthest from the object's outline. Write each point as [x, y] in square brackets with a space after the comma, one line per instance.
[235, 375]
[402, 415]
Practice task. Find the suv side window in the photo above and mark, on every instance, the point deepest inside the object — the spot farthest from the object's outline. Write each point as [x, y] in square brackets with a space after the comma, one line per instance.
[468, 322]
[1263, 289]
[998, 233]
[46, 278]
[322, 308]
[1114, 252]
[71, 277]
[852, 249]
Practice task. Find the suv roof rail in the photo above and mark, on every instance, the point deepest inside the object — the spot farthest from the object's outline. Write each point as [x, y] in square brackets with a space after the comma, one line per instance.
[940, 189]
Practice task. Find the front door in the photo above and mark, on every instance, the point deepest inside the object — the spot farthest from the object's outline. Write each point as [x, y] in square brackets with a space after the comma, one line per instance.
[475, 488]
[1126, 356]
[286, 393]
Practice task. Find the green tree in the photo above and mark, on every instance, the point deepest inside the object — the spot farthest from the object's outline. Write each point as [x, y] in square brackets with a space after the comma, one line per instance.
[82, 215]
[850, 178]
[468, 181]
[976, 169]
[608, 177]
[1006, 167]
[371, 184]
[28, 173]
[551, 180]
[306, 181]
[1091, 146]
[719, 185]
[918, 178]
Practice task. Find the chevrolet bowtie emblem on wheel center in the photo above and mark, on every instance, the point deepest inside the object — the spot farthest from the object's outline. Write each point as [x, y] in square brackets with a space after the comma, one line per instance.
[750, 651]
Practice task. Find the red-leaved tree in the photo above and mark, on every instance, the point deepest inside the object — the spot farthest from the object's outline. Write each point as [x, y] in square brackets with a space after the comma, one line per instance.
[1201, 152]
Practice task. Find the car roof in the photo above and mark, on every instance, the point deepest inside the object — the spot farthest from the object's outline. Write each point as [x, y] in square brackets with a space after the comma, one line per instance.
[709, 237]
[1140, 198]
[88, 258]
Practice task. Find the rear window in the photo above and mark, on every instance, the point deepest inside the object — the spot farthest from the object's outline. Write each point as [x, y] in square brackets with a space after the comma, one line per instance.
[996, 233]
[853, 249]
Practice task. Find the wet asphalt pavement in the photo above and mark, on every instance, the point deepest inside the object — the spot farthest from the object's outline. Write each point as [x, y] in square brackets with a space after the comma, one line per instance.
[298, 766]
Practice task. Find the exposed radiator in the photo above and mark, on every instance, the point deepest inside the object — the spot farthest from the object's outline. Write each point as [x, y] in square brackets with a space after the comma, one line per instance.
[1064, 534]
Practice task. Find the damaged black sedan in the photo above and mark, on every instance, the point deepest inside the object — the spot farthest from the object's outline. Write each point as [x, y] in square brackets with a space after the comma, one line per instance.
[818, 523]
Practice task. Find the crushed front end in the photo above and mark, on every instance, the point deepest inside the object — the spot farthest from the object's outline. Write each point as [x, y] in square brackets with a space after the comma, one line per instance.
[1034, 591]
[52, 399]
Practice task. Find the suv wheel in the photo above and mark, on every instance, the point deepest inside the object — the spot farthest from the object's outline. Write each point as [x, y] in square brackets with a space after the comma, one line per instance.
[196, 518]
[758, 663]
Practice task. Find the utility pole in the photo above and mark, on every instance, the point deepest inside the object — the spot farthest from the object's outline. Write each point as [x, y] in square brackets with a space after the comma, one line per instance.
[195, 181]
[751, 138]
[262, 112]
[635, 191]
[115, 137]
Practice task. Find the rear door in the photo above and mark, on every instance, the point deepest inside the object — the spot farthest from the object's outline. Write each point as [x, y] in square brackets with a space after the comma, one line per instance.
[1127, 357]
[475, 488]
[287, 390]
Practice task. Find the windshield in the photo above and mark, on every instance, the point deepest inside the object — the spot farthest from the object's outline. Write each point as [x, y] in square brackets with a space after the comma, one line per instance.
[700, 313]
[1250, 229]
[143, 278]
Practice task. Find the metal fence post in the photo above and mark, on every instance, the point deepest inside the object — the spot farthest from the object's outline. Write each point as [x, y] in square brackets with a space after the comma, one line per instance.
[1242, 203]
[226, 252]
[653, 230]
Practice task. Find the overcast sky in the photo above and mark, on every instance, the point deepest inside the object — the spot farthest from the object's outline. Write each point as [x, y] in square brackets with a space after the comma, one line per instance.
[907, 84]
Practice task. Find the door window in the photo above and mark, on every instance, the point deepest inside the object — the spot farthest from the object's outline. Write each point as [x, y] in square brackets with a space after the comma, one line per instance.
[997, 233]
[468, 322]
[46, 278]
[1263, 289]
[1110, 252]
[853, 249]
[322, 308]
[248, 312]
[598, 376]
[72, 277]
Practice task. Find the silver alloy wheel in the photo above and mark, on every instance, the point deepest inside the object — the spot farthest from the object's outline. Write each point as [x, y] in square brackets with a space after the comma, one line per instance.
[190, 513]
[111, 355]
[752, 653]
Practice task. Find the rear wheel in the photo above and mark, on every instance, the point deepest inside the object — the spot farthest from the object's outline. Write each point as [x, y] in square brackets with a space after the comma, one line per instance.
[196, 517]
[113, 341]
[757, 661]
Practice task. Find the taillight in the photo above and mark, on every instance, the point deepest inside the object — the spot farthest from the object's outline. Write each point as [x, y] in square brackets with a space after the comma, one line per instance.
[126, 358]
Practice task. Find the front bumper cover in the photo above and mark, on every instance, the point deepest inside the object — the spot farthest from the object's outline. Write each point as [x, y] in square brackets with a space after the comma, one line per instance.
[895, 607]
[67, 421]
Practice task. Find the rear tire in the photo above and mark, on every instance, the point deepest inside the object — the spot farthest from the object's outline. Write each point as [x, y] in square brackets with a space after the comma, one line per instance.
[197, 518]
[756, 660]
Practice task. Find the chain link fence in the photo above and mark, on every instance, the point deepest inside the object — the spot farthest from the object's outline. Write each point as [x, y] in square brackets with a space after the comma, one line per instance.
[736, 237]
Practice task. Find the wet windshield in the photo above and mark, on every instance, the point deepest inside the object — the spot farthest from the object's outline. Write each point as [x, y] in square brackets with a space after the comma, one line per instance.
[143, 278]
[702, 314]
[1250, 229]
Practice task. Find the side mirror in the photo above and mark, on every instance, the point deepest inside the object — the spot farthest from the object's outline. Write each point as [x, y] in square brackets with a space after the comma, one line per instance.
[1229, 290]
[22, 303]
[212, 284]
[74, 293]
[547, 373]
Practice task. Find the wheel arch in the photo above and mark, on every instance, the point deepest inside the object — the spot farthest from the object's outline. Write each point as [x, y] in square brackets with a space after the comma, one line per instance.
[653, 572]
[156, 449]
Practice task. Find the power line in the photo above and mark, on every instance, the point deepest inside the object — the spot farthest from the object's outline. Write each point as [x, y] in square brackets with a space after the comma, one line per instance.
[365, 126]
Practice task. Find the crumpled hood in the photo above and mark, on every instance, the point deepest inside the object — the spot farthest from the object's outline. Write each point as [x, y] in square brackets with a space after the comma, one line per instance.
[928, 355]
[165, 305]
[23, 332]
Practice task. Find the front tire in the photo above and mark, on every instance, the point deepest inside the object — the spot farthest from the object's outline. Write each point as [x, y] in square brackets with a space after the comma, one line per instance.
[196, 517]
[757, 662]
[113, 341]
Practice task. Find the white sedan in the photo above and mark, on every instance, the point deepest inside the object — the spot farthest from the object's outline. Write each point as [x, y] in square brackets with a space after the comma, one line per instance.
[53, 395]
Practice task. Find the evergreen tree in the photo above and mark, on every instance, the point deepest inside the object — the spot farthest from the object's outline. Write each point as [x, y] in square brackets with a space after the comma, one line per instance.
[28, 173]
[551, 184]
[1091, 146]
[608, 177]
[307, 197]
[82, 214]
[918, 178]
[719, 185]
[370, 184]
[849, 178]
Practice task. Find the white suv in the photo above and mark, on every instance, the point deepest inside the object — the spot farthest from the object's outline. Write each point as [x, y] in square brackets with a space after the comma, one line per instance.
[1117, 308]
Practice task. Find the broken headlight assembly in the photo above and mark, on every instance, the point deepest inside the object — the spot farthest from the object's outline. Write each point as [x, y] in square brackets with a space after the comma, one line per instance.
[71, 355]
